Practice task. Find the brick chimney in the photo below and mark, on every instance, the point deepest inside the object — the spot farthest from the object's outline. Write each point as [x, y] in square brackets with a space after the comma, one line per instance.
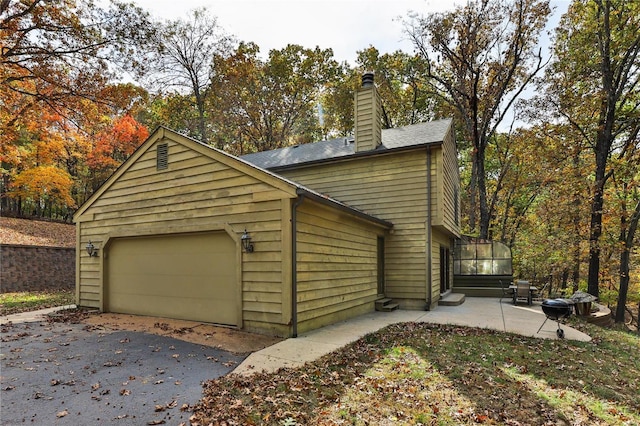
[368, 115]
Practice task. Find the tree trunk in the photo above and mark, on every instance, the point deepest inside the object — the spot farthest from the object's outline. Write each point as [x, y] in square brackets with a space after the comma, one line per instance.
[595, 228]
[202, 120]
[627, 236]
[472, 193]
[624, 284]
[482, 197]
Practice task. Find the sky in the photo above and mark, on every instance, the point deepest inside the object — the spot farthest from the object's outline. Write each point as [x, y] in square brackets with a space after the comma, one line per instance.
[346, 26]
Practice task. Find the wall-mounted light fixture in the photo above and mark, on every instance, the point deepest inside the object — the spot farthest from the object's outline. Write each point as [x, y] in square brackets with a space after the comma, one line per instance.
[92, 250]
[246, 242]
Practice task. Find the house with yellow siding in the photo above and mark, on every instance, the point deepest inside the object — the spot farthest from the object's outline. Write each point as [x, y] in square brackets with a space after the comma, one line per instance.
[279, 242]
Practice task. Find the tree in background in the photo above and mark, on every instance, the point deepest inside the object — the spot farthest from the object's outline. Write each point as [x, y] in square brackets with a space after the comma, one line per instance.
[593, 85]
[626, 201]
[544, 208]
[400, 81]
[185, 51]
[44, 191]
[57, 60]
[56, 54]
[479, 58]
[113, 146]
[261, 105]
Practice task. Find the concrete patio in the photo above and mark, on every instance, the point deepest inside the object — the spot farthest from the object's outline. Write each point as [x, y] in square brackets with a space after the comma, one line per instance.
[482, 312]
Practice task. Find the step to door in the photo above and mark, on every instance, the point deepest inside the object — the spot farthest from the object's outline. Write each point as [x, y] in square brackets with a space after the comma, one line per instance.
[386, 305]
[452, 299]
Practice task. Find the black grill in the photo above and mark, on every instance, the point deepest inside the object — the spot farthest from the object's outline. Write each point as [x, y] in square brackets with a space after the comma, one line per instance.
[557, 310]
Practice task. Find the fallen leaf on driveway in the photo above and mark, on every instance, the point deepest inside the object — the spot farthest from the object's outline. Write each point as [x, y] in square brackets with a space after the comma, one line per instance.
[156, 422]
[95, 386]
[8, 388]
[158, 382]
[125, 392]
[171, 404]
[55, 382]
[62, 413]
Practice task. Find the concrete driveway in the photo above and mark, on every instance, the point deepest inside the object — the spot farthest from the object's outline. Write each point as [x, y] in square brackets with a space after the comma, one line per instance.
[71, 374]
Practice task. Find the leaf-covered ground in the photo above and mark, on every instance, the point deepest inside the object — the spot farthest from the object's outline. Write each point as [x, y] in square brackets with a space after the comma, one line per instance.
[423, 374]
[24, 301]
[36, 233]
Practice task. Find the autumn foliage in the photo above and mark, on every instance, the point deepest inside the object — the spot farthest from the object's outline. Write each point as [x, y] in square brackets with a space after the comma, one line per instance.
[115, 144]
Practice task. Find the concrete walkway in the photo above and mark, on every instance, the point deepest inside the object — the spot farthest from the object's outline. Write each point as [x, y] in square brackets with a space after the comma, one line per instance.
[479, 312]
[32, 316]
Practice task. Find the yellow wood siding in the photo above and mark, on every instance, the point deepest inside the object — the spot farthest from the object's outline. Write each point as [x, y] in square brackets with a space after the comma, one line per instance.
[390, 187]
[368, 113]
[336, 266]
[194, 193]
[447, 215]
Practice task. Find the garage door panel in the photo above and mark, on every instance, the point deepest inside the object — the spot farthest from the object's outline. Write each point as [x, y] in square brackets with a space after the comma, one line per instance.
[180, 276]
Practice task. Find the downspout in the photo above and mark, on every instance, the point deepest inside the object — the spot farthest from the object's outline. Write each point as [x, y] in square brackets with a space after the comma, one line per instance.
[429, 260]
[294, 266]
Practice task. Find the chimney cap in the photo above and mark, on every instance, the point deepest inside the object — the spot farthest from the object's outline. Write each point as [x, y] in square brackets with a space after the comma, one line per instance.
[367, 79]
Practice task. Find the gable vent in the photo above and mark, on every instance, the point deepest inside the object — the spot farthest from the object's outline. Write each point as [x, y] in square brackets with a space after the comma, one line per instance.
[162, 156]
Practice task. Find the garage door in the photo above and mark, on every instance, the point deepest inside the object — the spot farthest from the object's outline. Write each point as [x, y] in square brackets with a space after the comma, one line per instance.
[190, 276]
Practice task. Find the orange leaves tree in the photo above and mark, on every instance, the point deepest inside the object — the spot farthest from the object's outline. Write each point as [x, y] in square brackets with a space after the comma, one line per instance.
[44, 191]
[113, 146]
[56, 62]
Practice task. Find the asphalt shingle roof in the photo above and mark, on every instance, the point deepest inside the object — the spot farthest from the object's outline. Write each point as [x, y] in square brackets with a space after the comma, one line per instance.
[401, 137]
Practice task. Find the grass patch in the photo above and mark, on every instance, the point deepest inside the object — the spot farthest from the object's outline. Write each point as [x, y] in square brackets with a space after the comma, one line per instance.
[417, 373]
[13, 303]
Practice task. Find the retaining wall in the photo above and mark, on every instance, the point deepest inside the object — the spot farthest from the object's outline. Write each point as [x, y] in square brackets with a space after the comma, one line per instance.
[36, 268]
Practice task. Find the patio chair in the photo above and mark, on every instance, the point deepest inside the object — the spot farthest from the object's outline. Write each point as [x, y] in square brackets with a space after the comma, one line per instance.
[522, 292]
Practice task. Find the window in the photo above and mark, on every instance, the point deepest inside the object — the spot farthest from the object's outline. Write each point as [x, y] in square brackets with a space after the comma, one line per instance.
[481, 257]
[162, 156]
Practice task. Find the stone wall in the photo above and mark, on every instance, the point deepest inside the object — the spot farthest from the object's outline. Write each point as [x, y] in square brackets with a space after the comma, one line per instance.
[36, 268]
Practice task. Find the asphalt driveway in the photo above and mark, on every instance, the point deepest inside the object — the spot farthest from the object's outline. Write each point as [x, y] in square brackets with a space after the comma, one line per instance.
[71, 374]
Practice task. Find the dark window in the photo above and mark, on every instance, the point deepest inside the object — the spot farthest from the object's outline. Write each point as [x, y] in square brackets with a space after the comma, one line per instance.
[162, 156]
